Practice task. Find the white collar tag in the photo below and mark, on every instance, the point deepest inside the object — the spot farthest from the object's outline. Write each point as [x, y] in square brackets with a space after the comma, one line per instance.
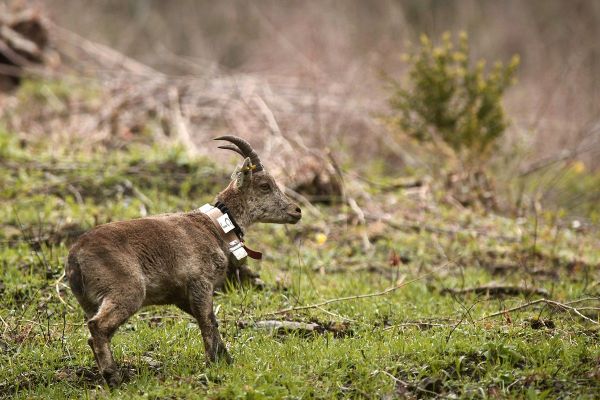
[225, 223]
[224, 220]
[206, 208]
[237, 249]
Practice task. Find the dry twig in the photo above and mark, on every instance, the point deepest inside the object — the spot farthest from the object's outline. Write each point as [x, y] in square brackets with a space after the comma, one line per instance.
[356, 297]
[561, 306]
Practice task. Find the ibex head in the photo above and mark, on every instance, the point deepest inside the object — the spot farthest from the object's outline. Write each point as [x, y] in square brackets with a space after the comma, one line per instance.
[253, 192]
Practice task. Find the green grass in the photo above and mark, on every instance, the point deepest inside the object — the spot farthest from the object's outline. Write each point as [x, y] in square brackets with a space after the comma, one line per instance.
[417, 341]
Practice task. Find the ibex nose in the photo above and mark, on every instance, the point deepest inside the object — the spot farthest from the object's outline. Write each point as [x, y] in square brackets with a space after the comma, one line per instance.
[295, 215]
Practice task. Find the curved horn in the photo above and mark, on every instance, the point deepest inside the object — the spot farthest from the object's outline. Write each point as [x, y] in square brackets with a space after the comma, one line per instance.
[232, 148]
[245, 149]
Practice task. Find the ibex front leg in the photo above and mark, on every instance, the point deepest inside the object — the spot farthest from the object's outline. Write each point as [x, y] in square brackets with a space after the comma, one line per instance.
[201, 304]
[241, 275]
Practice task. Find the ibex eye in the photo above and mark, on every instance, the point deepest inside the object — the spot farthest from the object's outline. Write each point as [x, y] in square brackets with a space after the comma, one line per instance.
[265, 186]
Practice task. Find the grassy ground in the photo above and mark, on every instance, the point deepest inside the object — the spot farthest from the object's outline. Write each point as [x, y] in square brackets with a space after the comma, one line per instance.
[422, 340]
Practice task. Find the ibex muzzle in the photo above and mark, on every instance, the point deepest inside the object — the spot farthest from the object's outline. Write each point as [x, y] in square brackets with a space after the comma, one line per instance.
[116, 268]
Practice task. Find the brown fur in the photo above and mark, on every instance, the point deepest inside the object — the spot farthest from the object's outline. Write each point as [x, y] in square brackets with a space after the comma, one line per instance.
[116, 268]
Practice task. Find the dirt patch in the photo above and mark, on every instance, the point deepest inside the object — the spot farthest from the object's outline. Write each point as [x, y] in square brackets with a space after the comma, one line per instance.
[79, 375]
[303, 329]
[540, 323]
[494, 290]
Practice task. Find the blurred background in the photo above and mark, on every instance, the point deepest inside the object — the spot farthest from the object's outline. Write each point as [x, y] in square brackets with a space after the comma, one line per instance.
[344, 45]
[301, 78]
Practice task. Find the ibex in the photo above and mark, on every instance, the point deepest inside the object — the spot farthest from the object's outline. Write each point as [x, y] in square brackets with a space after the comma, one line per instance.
[117, 268]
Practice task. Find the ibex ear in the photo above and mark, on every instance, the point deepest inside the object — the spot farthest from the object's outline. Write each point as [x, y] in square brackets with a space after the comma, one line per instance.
[243, 173]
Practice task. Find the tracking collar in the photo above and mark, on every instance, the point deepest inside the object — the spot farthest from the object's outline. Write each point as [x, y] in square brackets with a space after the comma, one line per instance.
[236, 228]
[232, 233]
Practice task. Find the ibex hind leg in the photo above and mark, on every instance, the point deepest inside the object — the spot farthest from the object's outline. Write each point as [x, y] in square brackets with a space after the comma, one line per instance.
[90, 309]
[113, 312]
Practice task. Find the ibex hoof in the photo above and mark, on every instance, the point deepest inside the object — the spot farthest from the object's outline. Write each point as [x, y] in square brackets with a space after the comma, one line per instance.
[221, 356]
[258, 283]
[112, 377]
[226, 357]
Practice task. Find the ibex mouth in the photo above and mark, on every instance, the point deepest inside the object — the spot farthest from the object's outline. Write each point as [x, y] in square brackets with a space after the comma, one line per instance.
[294, 218]
[295, 215]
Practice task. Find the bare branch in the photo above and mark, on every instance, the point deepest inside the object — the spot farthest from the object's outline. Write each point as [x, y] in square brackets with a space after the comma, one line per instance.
[561, 306]
[356, 297]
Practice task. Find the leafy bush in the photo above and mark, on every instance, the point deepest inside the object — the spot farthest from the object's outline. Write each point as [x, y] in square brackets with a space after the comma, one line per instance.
[450, 102]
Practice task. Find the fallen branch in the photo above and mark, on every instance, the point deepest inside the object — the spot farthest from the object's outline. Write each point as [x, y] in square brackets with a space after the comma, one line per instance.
[19, 42]
[355, 297]
[584, 299]
[23, 39]
[496, 290]
[561, 306]
[336, 300]
[337, 315]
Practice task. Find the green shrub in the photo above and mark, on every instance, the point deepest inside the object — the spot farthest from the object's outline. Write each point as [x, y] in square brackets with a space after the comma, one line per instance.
[451, 103]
